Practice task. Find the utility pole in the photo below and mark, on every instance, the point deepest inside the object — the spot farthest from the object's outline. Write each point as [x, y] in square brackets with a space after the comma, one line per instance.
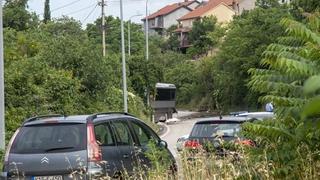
[129, 39]
[2, 117]
[123, 52]
[129, 33]
[147, 46]
[147, 32]
[102, 4]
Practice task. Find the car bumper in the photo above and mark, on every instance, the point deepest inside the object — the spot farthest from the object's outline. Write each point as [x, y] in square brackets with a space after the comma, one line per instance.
[3, 176]
[96, 173]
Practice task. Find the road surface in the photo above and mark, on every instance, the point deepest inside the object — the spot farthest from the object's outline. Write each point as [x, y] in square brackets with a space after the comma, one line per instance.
[174, 130]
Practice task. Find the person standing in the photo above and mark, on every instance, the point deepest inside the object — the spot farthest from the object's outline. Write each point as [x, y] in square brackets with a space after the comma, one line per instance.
[269, 107]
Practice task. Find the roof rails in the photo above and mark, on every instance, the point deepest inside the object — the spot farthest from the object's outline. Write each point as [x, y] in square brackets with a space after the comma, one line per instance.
[94, 116]
[237, 113]
[41, 117]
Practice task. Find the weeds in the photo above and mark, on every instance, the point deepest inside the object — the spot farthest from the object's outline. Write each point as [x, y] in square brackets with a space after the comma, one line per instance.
[236, 165]
[1, 158]
[240, 165]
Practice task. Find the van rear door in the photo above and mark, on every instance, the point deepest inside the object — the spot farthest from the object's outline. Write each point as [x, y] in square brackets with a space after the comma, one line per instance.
[49, 151]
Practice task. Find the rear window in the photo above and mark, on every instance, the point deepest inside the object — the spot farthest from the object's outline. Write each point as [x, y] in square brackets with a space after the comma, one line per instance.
[214, 130]
[51, 138]
[165, 95]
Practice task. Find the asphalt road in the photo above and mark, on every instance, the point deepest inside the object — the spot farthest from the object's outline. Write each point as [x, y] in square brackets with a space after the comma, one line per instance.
[174, 130]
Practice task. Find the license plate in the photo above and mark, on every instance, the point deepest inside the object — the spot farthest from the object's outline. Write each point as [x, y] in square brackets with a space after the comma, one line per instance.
[47, 178]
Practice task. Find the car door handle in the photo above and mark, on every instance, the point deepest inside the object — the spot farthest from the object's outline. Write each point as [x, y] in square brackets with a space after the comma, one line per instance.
[125, 156]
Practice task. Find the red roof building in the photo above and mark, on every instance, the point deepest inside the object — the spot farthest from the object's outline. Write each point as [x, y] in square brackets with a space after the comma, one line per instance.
[168, 15]
[223, 10]
[170, 8]
[199, 12]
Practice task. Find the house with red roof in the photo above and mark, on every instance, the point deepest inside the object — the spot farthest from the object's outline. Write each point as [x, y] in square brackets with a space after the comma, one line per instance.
[168, 15]
[223, 10]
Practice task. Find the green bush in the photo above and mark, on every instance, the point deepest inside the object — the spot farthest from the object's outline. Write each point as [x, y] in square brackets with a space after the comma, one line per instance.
[289, 77]
[1, 159]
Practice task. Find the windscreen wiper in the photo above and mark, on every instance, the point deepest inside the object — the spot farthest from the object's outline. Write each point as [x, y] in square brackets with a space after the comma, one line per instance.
[59, 148]
[223, 136]
[227, 136]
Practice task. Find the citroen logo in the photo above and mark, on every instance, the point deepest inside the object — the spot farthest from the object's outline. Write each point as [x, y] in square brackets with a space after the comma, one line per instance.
[44, 160]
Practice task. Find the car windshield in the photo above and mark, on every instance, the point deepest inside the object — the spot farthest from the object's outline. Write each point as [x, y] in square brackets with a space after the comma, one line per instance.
[52, 138]
[215, 130]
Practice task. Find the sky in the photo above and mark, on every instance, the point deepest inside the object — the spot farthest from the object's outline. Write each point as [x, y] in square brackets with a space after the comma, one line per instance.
[87, 11]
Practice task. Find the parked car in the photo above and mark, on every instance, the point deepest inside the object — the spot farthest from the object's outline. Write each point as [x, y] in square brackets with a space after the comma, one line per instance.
[181, 141]
[209, 134]
[79, 147]
[257, 115]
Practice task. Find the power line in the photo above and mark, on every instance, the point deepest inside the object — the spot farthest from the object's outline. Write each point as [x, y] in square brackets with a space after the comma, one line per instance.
[66, 5]
[90, 13]
[130, 1]
[61, 7]
[79, 10]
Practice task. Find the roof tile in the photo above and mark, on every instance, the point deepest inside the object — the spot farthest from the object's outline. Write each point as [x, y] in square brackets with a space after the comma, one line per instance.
[203, 9]
[169, 8]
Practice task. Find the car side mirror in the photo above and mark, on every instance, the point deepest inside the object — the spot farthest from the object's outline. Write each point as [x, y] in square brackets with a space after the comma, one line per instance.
[163, 144]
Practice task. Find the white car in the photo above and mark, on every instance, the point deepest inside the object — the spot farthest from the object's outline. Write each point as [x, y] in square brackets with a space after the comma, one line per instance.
[181, 141]
[257, 115]
[173, 120]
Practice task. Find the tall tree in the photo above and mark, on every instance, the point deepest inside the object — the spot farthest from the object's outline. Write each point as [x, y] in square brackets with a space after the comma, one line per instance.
[47, 13]
[307, 5]
[289, 77]
[16, 16]
[299, 8]
[199, 35]
[267, 3]
[241, 50]
[113, 35]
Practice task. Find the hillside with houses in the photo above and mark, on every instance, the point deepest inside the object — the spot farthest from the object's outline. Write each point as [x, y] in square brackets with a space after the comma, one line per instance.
[182, 15]
[215, 57]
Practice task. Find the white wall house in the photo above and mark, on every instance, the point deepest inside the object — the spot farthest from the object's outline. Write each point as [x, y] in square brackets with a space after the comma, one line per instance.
[223, 10]
[167, 16]
[246, 5]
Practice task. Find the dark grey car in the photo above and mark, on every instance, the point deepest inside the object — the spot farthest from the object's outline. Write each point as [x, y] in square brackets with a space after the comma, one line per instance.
[210, 134]
[79, 147]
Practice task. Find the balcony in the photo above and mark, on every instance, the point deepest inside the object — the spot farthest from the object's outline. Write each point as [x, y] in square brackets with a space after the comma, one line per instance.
[184, 43]
[156, 23]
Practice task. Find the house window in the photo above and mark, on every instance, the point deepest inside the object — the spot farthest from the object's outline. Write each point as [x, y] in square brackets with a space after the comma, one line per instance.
[152, 22]
[160, 21]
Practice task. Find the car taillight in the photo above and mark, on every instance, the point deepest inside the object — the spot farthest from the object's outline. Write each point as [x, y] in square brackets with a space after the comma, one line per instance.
[192, 144]
[94, 151]
[6, 157]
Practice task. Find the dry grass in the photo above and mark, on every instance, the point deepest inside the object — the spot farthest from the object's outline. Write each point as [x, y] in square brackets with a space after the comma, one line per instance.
[203, 166]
